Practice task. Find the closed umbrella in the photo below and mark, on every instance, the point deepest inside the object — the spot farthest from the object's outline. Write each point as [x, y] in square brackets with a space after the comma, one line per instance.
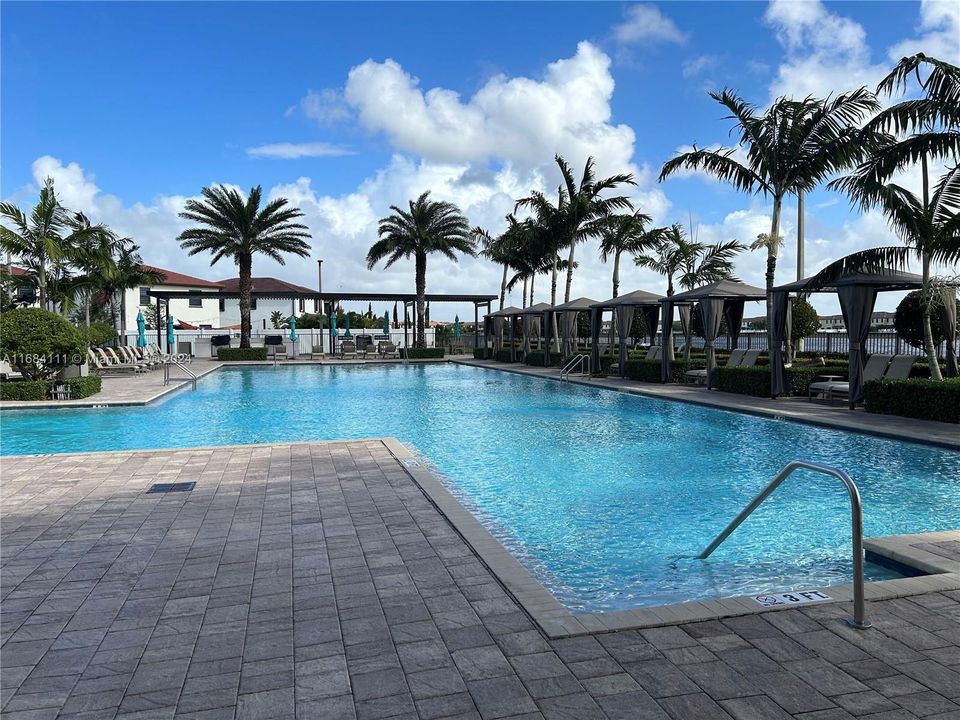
[346, 325]
[293, 328]
[386, 323]
[456, 326]
[333, 325]
[141, 331]
[171, 338]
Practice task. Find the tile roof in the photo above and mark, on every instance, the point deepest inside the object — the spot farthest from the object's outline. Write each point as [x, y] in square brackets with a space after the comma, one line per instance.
[265, 285]
[175, 278]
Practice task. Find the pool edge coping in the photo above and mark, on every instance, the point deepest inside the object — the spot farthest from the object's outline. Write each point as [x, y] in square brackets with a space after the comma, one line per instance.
[556, 621]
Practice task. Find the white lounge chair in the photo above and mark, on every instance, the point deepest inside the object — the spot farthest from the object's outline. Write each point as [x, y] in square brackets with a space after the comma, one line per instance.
[874, 369]
[348, 347]
[700, 374]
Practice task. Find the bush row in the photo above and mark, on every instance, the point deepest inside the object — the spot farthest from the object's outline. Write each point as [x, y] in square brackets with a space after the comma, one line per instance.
[481, 353]
[649, 370]
[755, 381]
[80, 387]
[535, 358]
[422, 353]
[914, 398]
[232, 354]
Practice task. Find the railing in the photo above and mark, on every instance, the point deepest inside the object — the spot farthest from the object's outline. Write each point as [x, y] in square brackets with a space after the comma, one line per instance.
[174, 361]
[577, 362]
[859, 619]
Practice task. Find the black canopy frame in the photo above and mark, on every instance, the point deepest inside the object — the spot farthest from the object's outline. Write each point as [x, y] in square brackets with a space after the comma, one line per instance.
[623, 308]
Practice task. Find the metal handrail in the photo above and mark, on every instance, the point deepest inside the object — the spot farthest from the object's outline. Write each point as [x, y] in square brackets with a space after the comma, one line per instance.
[192, 379]
[859, 619]
[568, 369]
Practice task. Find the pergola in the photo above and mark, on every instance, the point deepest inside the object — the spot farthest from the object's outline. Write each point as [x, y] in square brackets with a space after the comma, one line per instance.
[720, 300]
[857, 293]
[624, 308]
[493, 325]
[568, 312]
[166, 296]
[529, 316]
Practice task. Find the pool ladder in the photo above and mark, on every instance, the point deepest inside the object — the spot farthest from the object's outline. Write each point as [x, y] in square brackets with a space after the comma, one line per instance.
[192, 376]
[577, 362]
[859, 619]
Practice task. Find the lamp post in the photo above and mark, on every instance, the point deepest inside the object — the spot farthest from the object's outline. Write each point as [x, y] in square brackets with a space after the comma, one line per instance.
[320, 283]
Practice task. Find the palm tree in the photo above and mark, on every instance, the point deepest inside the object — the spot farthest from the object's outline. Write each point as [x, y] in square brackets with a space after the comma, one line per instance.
[928, 129]
[125, 272]
[790, 149]
[428, 226]
[577, 204]
[238, 228]
[50, 237]
[622, 233]
[503, 249]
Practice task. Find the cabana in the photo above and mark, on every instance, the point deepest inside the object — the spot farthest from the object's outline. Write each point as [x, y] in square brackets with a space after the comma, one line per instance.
[624, 308]
[857, 293]
[568, 313]
[720, 300]
[533, 319]
[494, 326]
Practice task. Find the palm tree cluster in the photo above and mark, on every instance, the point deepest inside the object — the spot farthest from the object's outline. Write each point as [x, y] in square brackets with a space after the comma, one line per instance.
[796, 145]
[73, 265]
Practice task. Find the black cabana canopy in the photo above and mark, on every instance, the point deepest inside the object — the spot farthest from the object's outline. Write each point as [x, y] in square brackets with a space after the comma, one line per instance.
[568, 312]
[624, 307]
[717, 300]
[857, 293]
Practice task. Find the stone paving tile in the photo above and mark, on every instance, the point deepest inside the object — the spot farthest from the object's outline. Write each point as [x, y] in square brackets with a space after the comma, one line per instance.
[317, 581]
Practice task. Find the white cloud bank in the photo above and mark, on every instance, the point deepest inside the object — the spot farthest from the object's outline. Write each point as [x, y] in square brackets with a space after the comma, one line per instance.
[292, 151]
[646, 24]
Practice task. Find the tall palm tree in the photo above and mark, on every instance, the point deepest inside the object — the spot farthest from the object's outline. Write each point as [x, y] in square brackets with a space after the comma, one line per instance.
[126, 272]
[50, 236]
[927, 129]
[503, 249]
[576, 206]
[622, 233]
[790, 149]
[238, 228]
[428, 226]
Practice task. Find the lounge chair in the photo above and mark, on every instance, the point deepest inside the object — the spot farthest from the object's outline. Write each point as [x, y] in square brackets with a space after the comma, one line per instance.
[101, 365]
[653, 352]
[316, 351]
[365, 346]
[388, 348]
[700, 374]
[279, 348]
[129, 355]
[348, 347]
[874, 369]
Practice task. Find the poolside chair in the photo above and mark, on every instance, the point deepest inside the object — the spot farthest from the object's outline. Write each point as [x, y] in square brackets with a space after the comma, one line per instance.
[114, 359]
[389, 348]
[365, 346]
[100, 365]
[874, 369]
[348, 347]
[750, 358]
[129, 355]
[278, 349]
[700, 375]
[653, 352]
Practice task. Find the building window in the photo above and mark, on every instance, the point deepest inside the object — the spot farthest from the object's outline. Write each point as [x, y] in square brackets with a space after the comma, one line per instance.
[302, 306]
[253, 303]
[223, 305]
[145, 296]
[316, 305]
[196, 302]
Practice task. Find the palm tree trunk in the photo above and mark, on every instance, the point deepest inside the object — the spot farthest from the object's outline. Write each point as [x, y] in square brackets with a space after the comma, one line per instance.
[42, 286]
[421, 281]
[245, 262]
[772, 266]
[523, 295]
[566, 294]
[553, 280]
[925, 291]
[503, 286]
[616, 273]
[86, 309]
[533, 279]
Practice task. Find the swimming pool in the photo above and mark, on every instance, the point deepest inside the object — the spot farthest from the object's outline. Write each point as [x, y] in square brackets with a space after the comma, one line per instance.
[603, 496]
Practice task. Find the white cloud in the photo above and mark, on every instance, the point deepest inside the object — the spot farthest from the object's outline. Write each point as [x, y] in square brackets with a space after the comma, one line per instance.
[646, 24]
[326, 106]
[939, 29]
[695, 65]
[291, 151]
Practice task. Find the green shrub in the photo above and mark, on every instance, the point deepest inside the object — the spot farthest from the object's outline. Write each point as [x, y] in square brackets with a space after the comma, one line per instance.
[908, 319]
[80, 387]
[755, 381]
[503, 355]
[535, 358]
[233, 354]
[914, 398]
[649, 370]
[805, 320]
[98, 334]
[39, 344]
[421, 353]
[481, 353]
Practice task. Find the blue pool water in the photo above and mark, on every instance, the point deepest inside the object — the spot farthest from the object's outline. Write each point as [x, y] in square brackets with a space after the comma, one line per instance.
[603, 496]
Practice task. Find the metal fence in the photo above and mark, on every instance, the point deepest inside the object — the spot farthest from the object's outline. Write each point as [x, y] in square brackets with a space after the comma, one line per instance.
[826, 343]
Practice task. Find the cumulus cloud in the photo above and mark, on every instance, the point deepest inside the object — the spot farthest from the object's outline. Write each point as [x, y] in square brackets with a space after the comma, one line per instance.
[939, 33]
[646, 24]
[292, 151]
[695, 65]
[326, 106]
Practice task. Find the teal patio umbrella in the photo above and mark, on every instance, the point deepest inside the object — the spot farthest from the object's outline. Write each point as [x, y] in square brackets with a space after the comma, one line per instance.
[293, 328]
[333, 325]
[386, 323]
[456, 326]
[141, 331]
[171, 338]
[346, 325]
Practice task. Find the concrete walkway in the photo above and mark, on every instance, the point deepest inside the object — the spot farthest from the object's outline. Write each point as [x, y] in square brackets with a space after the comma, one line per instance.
[317, 581]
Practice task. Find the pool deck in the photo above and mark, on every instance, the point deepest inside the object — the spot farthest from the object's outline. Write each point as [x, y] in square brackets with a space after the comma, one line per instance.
[800, 409]
[318, 580]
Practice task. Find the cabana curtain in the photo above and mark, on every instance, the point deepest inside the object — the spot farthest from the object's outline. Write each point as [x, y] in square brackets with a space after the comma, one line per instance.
[711, 311]
[733, 314]
[950, 329]
[624, 314]
[684, 325]
[856, 305]
[780, 316]
[651, 315]
[666, 342]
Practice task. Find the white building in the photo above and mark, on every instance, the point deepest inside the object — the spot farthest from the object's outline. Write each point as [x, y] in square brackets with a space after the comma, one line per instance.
[202, 311]
[261, 309]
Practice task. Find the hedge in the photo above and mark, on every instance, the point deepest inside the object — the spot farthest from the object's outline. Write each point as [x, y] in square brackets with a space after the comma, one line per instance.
[649, 370]
[80, 387]
[422, 353]
[481, 353]
[755, 381]
[232, 354]
[504, 355]
[535, 358]
[914, 398]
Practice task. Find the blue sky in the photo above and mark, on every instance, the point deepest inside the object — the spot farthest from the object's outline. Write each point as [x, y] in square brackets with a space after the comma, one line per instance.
[132, 107]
